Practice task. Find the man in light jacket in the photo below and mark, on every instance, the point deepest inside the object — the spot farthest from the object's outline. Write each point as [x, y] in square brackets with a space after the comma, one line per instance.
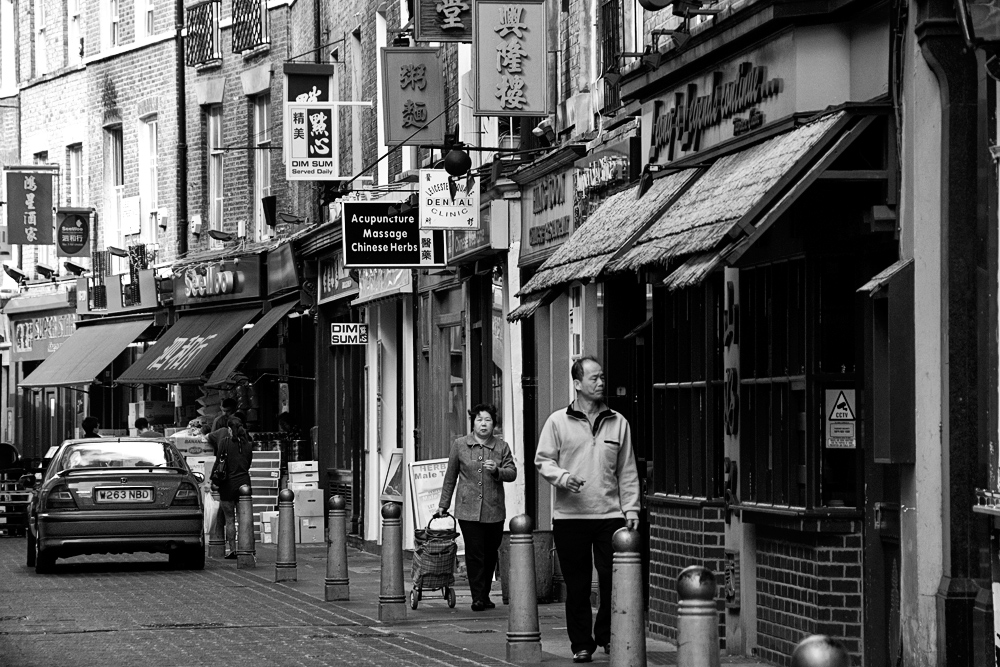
[585, 452]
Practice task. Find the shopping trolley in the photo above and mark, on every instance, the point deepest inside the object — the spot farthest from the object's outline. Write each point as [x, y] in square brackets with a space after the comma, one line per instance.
[434, 560]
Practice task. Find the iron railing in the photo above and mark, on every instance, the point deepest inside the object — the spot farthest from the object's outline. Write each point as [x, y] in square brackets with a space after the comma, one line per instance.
[249, 24]
[202, 43]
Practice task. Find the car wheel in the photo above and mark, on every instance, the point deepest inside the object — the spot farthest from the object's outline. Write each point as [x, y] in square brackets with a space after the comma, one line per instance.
[30, 539]
[44, 561]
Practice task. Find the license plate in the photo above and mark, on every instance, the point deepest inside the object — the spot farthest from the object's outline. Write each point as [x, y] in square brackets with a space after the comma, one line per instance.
[128, 494]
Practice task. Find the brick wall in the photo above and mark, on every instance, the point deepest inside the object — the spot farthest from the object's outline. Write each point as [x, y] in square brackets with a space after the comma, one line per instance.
[807, 584]
[679, 537]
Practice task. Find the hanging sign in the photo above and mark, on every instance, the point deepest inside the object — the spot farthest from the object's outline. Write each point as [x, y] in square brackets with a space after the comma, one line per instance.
[312, 146]
[447, 202]
[73, 232]
[442, 21]
[510, 58]
[413, 95]
[348, 333]
[29, 204]
[840, 419]
[334, 280]
[376, 234]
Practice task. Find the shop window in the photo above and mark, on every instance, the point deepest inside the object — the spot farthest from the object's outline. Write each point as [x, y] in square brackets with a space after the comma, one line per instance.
[687, 396]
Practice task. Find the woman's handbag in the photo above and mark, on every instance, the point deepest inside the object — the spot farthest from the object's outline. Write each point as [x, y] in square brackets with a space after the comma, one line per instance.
[220, 471]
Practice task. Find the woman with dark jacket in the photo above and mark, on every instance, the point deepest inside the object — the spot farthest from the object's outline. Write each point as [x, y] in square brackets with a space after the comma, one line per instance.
[480, 463]
[232, 440]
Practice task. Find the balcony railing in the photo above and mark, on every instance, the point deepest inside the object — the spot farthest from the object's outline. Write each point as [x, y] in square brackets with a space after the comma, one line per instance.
[249, 24]
[202, 43]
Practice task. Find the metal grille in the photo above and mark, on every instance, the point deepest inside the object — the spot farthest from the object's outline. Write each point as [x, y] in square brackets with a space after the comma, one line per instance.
[611, 44]
[248, 26]
[202, 27]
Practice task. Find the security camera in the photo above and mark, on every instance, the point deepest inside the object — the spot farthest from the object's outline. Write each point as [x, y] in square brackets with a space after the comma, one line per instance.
[17, 274]
[75, 268]
[46, 271]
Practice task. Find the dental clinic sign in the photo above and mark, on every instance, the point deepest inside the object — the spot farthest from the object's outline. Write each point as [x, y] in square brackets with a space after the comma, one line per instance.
[223, 280]
[447, 202]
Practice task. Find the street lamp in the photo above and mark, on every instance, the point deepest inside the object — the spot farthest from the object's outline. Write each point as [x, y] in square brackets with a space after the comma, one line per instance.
[981, 28]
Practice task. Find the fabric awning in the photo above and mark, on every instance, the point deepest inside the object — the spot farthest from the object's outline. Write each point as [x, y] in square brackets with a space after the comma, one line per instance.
[245, 345]
[85, 354]
[183, 353]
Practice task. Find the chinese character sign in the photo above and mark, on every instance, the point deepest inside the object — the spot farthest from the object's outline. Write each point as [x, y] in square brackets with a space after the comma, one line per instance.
[29, 206]
[413, 96]
[443, 21]
[312, 148]
[308, 82]
[510, 58]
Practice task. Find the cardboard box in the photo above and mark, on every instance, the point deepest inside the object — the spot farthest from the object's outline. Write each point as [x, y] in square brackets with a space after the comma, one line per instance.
[303, 466]
[310, 530]
[157, 412]
[309, 503]
[301, 486]
[192, 445]
[303, 477]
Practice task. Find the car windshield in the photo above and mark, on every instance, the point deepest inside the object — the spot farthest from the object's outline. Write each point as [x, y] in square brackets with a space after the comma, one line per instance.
[114, 454]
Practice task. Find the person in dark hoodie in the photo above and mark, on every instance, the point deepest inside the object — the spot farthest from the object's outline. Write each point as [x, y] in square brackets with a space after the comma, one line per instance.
[231, 440]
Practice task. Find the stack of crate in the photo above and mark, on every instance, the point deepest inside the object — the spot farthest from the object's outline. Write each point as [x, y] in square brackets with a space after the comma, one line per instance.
[13, 504]
[303, 480]
[265, 475]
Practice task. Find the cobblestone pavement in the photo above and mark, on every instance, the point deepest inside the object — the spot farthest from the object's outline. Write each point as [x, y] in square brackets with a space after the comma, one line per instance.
[105, 611]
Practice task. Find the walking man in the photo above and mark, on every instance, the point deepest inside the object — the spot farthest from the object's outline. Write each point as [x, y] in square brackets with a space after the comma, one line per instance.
[585, 452]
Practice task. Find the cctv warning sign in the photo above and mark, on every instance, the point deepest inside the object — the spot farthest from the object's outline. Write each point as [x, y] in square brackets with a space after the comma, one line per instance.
[841, 422]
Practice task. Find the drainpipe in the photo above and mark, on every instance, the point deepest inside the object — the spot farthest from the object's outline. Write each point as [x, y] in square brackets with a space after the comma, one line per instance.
[182, 230]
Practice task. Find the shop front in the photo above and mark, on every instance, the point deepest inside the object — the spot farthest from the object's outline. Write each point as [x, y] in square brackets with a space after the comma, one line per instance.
[116, 315]
[760, 346]
[41, 320]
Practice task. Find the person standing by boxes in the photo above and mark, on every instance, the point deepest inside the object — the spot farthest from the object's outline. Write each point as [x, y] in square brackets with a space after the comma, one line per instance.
[232, 441]
[479, 463]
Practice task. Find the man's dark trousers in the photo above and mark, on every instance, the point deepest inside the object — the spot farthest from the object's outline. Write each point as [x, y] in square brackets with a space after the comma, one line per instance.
[575, 540]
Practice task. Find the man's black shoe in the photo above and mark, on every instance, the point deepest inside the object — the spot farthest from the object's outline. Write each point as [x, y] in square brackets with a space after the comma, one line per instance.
[581, 656]
[478, 606]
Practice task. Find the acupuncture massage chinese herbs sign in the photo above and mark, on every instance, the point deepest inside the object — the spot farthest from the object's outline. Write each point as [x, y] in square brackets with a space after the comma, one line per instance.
[510, 58]
[378, 235]
[413, 96]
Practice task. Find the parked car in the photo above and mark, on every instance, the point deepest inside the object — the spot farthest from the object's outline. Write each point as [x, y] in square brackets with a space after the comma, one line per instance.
[115, 495]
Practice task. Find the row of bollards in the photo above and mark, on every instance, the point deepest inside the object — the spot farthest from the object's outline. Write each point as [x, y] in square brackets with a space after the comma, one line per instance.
[697, 621]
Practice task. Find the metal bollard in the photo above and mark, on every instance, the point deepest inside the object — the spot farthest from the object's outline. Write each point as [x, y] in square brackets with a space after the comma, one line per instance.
[217, 533]
[391, 600]
[524, 640]
[285, 568]
[246, 553]
[820, 651]
[338, 586]
[697, 618]
[628, 626]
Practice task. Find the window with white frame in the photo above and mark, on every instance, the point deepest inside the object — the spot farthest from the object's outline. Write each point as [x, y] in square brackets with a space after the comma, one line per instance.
[41, 59]
[575, 322]
[114, 184]
[74, 175]
[74, 33]
[8, 79]
[262, 162]
[216, 151]
[357, 83]
[149, 199]
[112, 23]
[144, 10]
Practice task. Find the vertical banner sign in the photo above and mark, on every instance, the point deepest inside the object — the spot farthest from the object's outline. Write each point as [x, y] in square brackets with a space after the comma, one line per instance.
[377, 235]
[73, 232]
[731, 434]
[413, 96]
[312, 147]
[443, 21]
[29, 205]
[510, 58]
[447, 202]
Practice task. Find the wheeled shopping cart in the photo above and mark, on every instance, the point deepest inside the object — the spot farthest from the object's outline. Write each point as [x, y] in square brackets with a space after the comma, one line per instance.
[434, 560]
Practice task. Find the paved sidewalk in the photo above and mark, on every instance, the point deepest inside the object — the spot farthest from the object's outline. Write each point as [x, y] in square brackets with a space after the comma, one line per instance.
[478, 633]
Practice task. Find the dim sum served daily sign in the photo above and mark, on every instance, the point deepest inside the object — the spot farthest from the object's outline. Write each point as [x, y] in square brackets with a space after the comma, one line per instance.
[377, 235]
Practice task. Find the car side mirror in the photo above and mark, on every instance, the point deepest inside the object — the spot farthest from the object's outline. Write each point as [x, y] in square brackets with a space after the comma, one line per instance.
[27, 481]
[200, 476]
